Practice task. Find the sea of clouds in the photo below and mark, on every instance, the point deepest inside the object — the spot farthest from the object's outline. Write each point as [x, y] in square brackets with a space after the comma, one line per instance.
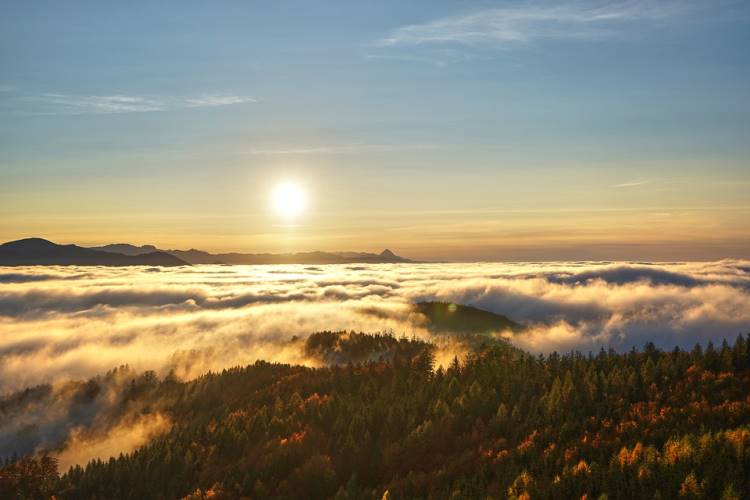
[63, 324]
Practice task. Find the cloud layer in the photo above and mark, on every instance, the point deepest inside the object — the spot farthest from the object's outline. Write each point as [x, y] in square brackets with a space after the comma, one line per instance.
[62, 325]
[73, 323]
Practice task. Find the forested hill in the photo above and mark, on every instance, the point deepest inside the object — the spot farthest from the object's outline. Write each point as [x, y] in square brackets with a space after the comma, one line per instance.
[647, 424]
[450, 318]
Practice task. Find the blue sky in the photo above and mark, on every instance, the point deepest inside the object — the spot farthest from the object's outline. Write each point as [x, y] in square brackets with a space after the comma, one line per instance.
[447, 129]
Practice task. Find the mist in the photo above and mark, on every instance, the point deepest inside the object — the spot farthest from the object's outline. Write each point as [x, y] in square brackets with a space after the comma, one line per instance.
[63, 329]
[71, 323]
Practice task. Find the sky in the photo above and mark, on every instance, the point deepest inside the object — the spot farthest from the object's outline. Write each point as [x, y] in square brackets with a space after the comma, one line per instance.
[541, 130]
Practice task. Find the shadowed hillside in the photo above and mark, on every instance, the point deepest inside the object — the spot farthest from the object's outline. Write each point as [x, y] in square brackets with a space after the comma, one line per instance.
[446, 317]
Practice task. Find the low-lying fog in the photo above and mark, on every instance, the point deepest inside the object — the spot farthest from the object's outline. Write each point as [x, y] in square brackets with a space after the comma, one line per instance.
[74, 322]
[62, 324]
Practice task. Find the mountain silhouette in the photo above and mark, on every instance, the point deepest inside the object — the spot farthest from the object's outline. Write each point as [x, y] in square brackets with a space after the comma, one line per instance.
[38, 251]
[387, 254]
[194, 256]
[127, 249]
[199, 257]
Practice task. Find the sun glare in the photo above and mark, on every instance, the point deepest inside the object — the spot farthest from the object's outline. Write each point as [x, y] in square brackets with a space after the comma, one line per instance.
[288, 200]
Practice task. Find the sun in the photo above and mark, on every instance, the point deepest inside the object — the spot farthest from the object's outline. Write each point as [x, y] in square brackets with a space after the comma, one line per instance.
[288, 200]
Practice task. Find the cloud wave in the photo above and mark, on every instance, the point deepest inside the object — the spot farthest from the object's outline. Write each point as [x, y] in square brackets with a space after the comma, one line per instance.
[61, 326]
[70, 323]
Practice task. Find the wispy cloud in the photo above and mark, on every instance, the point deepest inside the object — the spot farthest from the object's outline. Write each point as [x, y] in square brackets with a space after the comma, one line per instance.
[636, 183]
[206, 101]
[338, 149]
[68, 104]
[439, 63]
[508, 26]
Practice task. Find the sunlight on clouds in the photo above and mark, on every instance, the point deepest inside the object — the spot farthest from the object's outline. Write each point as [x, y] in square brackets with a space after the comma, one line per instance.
[81, 448]
[63, 325]
[70, 323]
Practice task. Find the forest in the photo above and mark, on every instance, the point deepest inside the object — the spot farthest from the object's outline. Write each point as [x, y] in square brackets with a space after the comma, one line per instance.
[382, 421]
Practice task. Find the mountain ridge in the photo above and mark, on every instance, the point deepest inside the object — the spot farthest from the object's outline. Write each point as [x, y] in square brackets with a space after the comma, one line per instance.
[195, 256]
[39, 251]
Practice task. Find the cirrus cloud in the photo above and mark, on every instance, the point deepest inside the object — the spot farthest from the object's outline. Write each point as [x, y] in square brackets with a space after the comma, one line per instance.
[512, 25]
[51, 104]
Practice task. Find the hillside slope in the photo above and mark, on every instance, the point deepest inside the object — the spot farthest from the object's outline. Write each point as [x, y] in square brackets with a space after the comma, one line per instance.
[447, 317]
[645, 424]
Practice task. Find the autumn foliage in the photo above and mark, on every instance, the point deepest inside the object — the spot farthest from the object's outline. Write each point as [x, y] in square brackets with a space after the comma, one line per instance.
[503, 423]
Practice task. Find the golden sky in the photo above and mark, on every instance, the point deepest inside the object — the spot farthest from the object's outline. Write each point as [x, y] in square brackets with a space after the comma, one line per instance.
[422, 128]
[435, 222]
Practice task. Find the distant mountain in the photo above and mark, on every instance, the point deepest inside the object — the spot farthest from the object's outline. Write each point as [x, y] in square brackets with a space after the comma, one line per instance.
[199, 257]
[194, 256]
[127, 249]
[38, 251]
[387, 254]
[446, 317]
